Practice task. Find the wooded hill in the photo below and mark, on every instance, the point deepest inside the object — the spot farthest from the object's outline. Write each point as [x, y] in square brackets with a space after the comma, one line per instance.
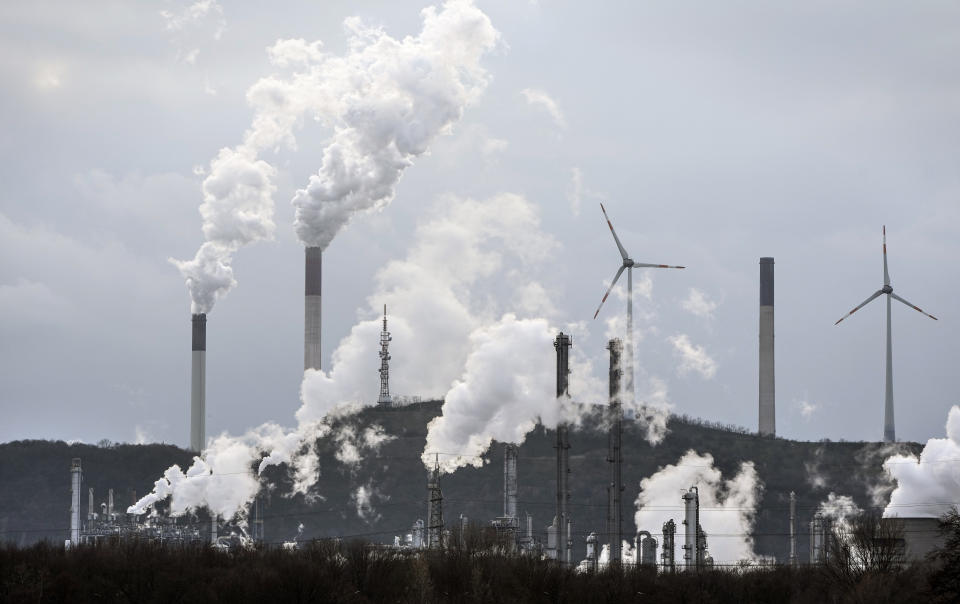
[35, 496]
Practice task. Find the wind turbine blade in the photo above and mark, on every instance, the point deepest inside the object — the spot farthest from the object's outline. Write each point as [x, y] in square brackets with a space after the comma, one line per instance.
[644, 265]
[623, 252]
[862, 304]
[916, 308]
[619, 272]
[886, 273]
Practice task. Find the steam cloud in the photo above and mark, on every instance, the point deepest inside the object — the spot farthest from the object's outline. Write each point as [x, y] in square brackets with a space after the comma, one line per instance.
[927, 486]
[727, 507]
[385, 100]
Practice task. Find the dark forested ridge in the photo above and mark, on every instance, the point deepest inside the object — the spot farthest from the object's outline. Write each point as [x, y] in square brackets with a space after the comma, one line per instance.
[35, 492]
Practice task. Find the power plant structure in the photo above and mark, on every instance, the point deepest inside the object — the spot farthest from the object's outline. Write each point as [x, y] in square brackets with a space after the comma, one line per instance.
[666, 555]
[508, 525]
[646, 549]
[889, 432]
[821, 538]
[559, 538]
[793, 529]
[695, 556]
[75, 481]
[384, 398]
[615, 455]
[198, 383]
[313, 268]
[767, 414]
[435, 508]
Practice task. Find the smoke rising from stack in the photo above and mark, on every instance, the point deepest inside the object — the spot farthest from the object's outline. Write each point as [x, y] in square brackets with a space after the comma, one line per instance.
[727, 507]
[386, 101]
[928, 485]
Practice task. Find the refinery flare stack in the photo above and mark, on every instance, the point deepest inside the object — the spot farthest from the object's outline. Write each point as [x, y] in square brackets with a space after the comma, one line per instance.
[767, 416]
[198, 383]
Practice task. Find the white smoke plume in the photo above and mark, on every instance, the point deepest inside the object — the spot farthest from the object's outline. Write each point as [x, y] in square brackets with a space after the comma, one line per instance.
[435, 300]
[928, 485]
[841, 509]
[727, 507]
[507, 386]
[362, 498]
[386, 101]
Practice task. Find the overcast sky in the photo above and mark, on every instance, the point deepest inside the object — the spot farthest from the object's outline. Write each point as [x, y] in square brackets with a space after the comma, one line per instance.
[714, 133]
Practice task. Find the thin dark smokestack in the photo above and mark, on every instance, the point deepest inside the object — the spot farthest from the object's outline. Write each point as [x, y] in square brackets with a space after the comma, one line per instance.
[767, 411]
[198, 384]
[564, 539]
[311, 324]
[614, 456]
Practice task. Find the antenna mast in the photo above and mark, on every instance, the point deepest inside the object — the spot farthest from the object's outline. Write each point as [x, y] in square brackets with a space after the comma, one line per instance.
[384, 362]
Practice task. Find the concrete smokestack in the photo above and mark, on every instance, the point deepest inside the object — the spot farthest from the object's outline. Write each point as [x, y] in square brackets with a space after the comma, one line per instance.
[615, 454]
[311, 323]
[767, 415]
[198, 384]
[75, 478]
[564, 541]
[510, 480]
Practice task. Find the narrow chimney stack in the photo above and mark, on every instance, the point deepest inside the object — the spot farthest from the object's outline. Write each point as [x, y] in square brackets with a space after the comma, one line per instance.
[767, 412]
[311, 325]
[198, 384]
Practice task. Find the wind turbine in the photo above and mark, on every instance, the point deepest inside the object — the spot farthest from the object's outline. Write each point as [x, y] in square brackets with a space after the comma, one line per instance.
[628, 265]
[888, 431]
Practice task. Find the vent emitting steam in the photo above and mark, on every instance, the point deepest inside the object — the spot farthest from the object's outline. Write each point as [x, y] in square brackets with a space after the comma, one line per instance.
[385, 101]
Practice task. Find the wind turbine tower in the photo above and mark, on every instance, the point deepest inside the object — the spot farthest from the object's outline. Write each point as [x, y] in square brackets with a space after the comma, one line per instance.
[889, 434]
[628, 264]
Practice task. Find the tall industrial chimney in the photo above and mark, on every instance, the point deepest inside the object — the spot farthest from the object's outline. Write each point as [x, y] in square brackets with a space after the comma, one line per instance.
[564, 540]
[510, 480]
[615, 454]
[311, 324]
[767, 420]
[75, 478]
[198, 384]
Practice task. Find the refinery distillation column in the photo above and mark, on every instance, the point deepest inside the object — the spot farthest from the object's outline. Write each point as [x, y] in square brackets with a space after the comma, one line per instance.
[198, 384]
[564, 539]
[615, 455]
[311, 323]
[385, 338]
[767, 420]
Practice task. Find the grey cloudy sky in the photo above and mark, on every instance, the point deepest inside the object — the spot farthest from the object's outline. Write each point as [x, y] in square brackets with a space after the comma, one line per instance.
[715, 133]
